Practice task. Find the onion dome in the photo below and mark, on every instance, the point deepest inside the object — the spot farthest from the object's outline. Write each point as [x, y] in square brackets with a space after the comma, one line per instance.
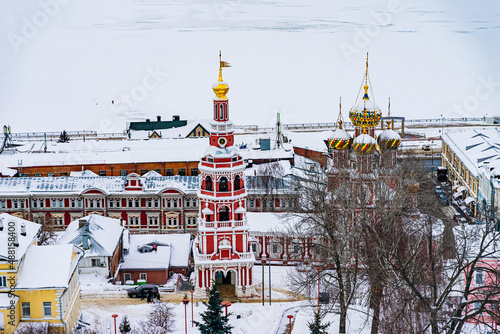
[341, 140]
[221, 88]
[366, 113]
[364, 144]
[389, 139]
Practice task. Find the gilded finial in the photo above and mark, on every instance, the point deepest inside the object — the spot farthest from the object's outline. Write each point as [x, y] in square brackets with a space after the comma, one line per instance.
[389, 122]
[364, 130]
[339, 119]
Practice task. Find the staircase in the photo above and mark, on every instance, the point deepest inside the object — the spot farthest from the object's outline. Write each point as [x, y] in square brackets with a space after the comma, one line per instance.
[227, 292]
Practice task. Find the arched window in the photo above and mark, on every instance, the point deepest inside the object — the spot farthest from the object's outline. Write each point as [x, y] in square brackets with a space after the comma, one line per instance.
[215, 111]
[208, 183]
[221, 112]
[224, 214]
[223, 184]
[226, 111]
[237, 183]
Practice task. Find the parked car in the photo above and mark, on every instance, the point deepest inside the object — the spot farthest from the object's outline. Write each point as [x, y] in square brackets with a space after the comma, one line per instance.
[457, 216]
[426, 147]
[143, 290]
[439, 191]
[443, 199]
[462, 221]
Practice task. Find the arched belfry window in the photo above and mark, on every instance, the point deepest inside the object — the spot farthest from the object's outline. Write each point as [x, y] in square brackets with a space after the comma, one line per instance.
[223, 184]
[237, 183]
[208, 183]
[225, 112]
[215, 111]
[224, 214]
[221, 112]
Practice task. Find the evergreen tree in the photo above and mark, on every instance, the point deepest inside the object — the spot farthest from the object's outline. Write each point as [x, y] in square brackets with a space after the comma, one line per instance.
[64, 137]
[315, 326]
[213, 320]
[125, 326]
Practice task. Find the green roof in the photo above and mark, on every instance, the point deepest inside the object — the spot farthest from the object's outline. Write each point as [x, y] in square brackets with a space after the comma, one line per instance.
[161, 125]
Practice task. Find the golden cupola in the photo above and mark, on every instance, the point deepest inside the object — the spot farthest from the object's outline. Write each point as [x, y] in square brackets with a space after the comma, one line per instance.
[221, 88]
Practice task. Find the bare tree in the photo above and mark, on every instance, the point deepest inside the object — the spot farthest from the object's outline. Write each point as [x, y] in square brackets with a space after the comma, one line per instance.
[323, 231]
[47, 234]
[161, 320]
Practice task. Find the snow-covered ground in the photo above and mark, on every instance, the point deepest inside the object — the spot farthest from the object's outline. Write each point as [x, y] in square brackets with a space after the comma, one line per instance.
[63, 64]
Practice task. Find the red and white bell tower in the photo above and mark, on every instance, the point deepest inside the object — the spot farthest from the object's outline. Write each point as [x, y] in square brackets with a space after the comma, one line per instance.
[221, 249]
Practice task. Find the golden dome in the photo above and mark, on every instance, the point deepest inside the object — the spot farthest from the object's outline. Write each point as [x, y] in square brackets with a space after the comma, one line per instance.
[221, 88]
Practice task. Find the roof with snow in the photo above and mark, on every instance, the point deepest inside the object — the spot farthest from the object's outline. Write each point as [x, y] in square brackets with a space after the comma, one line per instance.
[5, 300]
[265, 222]
[104, 235]
[48, 267]
[76, 152]
[108, 184]
[172, 250]
[32, 229]
[475, 147]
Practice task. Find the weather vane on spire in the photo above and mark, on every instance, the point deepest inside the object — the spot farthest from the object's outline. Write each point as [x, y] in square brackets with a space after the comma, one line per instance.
[221, 65]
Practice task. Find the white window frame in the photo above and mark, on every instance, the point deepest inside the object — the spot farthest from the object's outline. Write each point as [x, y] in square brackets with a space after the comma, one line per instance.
[26, 306]
[47, 307]
[145, 275]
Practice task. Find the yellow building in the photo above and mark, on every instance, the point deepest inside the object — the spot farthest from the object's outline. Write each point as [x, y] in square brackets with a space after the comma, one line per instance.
[42, 283]
[16, 236]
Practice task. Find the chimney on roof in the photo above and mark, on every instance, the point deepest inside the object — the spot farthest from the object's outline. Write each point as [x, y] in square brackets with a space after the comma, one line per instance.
[23, 229]
[176, 118]
[81, 223]
[148, 120]
[155, 247]
[158, 118]
[85, 241]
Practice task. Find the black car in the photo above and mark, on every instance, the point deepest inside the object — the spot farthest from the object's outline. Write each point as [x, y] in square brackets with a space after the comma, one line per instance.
[143, 291]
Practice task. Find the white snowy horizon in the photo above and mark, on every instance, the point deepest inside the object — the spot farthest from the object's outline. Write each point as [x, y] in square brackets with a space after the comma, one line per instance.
[64, 61]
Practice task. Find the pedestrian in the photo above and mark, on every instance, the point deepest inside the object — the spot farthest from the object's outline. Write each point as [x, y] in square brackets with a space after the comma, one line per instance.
[142, 294]
[150, 296]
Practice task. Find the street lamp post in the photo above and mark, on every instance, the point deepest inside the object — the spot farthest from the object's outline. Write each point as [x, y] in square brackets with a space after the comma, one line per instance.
[185, 301]
[192, 308]
[268, 244]
[114, 317]
[226, 304]
[442, 118]
[289, 323]
[318, 268]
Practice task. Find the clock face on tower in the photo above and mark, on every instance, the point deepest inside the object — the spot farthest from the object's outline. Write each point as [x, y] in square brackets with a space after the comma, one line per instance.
[222, 141]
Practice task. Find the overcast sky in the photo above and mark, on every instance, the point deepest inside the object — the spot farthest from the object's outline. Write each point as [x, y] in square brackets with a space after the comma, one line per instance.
[63, 62]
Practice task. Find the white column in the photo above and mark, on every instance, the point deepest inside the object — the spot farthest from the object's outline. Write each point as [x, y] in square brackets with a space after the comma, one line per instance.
[202, 276]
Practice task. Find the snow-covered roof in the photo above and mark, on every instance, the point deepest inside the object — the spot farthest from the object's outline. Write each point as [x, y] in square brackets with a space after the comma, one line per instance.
[364, 139]
[341, 134]
[32, 229]
[475, 147]
[86, 173]
[76, 152]
[177, 132]
[278, 168]
[5, 300]
[173, 250]
[389, 134]
[6, 171]
[108, 184]
[268, 221]
[104, 235]
[47, 267]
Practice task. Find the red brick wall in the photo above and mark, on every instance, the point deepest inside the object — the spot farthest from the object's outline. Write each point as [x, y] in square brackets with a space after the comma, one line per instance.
[153, 276]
